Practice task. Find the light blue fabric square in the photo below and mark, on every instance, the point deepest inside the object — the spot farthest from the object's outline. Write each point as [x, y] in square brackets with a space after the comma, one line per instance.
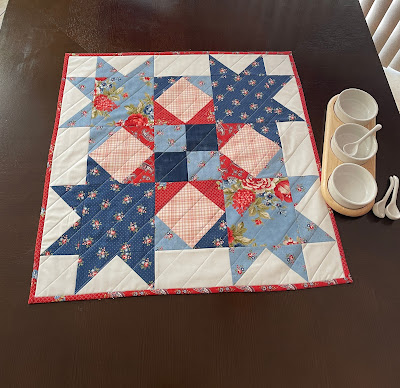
[203, 165]
[169, 138]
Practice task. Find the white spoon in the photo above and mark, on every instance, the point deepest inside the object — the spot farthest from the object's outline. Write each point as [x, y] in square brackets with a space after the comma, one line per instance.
[392, 211]
[352, 148]
[379, 207]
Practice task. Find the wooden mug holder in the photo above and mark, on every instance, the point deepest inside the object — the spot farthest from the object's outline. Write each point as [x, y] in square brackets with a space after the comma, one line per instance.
[330, 162]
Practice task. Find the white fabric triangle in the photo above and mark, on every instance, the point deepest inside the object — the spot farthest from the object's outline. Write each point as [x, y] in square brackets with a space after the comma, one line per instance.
[181, 65]
[192, 268]
[81, 66]
[269, 269]
[125, 64]
[57, 275]
[297, 148]
[68, 87]
[132, 282]
[293, 277]
[327, 226]
[116, 275]
[226, 280]
[69, 163]
[73, 101]
[323, 261]
[58, 219]
[236, 62]
[277, 64]
[289, 97]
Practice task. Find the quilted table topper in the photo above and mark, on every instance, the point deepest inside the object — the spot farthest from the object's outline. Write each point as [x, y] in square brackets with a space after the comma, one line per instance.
[172, 173]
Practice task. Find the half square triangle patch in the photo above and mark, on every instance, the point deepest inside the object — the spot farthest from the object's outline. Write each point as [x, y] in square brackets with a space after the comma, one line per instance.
[121, 155]
[190, 214]
[250, 150]
[183, 100]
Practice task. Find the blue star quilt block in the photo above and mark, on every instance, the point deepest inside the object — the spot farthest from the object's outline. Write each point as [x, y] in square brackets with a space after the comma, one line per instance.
[174, 173]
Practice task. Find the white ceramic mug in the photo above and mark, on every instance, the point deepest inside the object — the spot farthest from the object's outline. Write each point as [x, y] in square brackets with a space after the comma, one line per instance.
[348, 133]
[355, 106]
[352, 186]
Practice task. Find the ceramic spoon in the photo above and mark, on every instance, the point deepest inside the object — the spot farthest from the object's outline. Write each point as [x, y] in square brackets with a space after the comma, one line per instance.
[379, 207]
[352, 148]
[392, 210]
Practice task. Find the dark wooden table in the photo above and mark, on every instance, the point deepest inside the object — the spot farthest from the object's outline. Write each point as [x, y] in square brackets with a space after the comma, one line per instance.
[344, 336]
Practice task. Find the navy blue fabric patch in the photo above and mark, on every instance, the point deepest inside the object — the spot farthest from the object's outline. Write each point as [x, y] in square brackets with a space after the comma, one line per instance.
[216, 237]
[116, 219]
[96, 174]
[248, 97]
[161, 84]
[170, 167]
[201, 137]
[269, 130]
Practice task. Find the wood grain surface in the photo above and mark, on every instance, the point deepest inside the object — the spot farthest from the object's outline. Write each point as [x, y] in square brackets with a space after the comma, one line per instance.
[342, 336]
[330, 162]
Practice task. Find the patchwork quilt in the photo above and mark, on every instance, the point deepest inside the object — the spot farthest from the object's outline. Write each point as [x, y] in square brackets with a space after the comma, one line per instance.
[182, 173]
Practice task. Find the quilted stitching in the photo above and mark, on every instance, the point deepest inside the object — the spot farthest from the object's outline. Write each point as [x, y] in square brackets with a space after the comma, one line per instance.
[209, 165]
[164, 72]
[288, 102]
[190, 214]
[250, 150]
[58, 155]
[184, 100]
[125, 115]
[65, 116]
[71, 167]
[295, 147]
[225, 59]
[121, 154]
[194, 212]
[266, 261]
[135, 58]
[129, 242]
[316, 271]
[181, 256]
[263, 87]
[58, 277]
[117, 286]
[82, 61]
[277, 66]
[174, 143]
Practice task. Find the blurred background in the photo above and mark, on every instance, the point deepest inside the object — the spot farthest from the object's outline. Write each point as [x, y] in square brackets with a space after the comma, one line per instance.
[383, 19]
[3, 6]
